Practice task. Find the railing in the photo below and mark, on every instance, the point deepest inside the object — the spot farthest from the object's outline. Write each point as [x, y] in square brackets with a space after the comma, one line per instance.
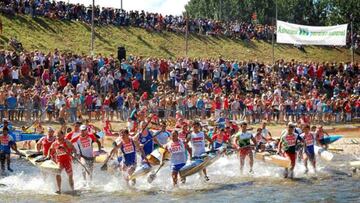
[122, 114]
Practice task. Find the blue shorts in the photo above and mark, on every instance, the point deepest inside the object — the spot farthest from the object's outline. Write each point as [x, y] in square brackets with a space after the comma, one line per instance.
[217, 145]
[310, 152]
[177, 167]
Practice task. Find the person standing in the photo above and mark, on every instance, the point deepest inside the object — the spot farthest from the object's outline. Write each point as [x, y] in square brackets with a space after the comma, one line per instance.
[45, 142]
[6, 144]
[309, 140]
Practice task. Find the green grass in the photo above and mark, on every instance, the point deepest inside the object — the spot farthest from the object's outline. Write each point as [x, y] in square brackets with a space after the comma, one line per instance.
[46, 35]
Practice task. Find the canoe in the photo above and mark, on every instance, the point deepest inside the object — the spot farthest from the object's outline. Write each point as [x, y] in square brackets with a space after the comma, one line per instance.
[20, 136]
[273, 159]
[140, 171]
[155, 156]
[48, 166]
[100, 156]
[201, 163]
[330, 139]
[154, 159]
[355, 164]
[323, 153]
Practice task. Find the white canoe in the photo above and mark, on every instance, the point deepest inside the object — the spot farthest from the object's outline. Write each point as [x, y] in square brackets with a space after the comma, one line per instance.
[273, 159]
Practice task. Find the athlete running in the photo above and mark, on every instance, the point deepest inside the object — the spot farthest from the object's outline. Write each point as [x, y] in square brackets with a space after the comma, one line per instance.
[220, 138]
[85, 150]
[309, 141]
[128, 147]
[287, 147]
[61, 151]
[242, 143]
[177, 150]
[197, 140]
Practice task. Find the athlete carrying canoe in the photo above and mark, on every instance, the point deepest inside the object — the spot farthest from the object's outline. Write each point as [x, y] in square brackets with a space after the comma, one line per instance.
[309, 141]
[146, 140]
[242, 143]
[197, 140]
[45, 142]
[61, 151]
[6, 144]
[85, 151]
[128, 147]
[287, 146]
[178, 158]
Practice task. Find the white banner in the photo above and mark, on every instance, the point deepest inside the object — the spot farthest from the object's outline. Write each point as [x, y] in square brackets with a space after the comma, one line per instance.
[289, 33]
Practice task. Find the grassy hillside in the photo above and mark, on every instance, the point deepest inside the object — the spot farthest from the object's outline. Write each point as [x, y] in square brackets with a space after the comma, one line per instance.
[45, 34]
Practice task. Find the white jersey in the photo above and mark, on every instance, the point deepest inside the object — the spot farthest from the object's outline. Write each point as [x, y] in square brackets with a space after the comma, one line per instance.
[197, 143]
[177, 151]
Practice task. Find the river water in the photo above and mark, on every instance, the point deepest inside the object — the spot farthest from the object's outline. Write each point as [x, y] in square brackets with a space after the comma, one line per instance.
[333, 183]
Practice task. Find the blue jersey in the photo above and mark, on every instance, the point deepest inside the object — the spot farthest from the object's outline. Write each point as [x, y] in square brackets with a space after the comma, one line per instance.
[5, 143]
[147, 142]
[129, 153]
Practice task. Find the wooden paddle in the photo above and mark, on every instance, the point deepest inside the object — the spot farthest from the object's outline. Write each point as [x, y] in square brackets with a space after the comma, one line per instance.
[152, 176]
[104, 167]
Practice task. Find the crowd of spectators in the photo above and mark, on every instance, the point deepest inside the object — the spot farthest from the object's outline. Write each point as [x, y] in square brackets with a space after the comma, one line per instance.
[66, 87]
[149, 21]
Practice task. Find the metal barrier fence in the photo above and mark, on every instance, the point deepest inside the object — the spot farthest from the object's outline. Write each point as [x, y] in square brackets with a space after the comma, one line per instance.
[74, 114]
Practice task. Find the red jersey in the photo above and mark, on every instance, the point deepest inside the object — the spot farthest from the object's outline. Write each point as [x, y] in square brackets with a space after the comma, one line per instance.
[62, 152]
[46, 144]
[71, 135]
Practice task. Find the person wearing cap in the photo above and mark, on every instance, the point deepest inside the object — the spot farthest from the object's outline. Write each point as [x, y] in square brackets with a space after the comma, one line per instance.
[242, 143]
[287, 146]
[45, 142]
[197, 140]
[6, 144]
[85, 150]
[6, 124]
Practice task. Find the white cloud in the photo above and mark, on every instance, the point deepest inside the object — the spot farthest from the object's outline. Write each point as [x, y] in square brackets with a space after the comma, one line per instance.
[174, 7]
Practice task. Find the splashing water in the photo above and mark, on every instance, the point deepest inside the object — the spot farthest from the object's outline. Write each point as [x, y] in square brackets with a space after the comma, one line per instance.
[330, 183]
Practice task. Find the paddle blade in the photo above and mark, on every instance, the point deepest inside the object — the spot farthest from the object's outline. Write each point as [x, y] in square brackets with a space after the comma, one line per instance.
[104, 167]
[151, 178]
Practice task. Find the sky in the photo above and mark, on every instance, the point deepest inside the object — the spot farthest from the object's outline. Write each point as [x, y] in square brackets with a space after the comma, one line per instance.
[174, 7]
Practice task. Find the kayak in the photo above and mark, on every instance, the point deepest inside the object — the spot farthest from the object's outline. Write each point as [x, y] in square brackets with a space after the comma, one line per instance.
[154, 159]
[355, 164]
[273, 159]
[198, 164]
[323, 153]
[33, 156]
[330, 139]
[140, 171]
[20, 136]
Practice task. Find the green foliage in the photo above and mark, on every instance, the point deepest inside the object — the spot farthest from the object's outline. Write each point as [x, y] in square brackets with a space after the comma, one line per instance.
[311, 12]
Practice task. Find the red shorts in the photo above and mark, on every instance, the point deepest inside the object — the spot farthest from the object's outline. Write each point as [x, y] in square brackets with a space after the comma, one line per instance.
[245, 151]
[67, 165]
[292, 157]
